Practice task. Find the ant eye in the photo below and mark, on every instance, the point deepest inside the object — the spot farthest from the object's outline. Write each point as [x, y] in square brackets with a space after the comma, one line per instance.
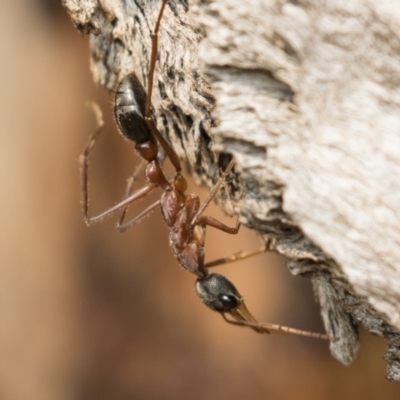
[229, 302]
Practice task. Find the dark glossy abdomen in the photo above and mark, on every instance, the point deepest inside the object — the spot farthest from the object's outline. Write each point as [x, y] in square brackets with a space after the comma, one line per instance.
[129, 108]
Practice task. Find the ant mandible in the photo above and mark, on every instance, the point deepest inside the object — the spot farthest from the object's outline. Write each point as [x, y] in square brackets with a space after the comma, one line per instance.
[182, 212]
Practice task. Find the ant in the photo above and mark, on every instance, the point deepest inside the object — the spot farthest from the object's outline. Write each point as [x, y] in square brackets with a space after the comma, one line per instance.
[182, 212]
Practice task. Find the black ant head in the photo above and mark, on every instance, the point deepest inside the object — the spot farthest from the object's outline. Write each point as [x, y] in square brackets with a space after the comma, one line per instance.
[219, 294]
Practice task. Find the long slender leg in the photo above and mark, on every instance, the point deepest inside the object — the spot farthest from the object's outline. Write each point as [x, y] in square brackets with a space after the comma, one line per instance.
[212, 193]
[84, 169]
[210, 221]
[128, 190]
[242, 255]
[147, 211]
[84, 158]
[140, 194]
[153, 58]
[84, 173]
[163, 142]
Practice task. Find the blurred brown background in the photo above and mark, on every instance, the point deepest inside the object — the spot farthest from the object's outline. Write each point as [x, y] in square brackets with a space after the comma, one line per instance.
[88, 313]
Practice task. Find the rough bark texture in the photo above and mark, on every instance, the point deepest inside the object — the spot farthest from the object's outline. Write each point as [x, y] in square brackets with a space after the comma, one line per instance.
[306, 97]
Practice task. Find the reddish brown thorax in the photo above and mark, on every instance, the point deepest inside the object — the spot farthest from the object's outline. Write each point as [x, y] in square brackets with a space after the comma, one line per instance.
[186, 239]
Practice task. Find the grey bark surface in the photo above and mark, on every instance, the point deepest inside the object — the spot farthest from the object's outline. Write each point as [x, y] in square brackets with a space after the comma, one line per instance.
[305, 95]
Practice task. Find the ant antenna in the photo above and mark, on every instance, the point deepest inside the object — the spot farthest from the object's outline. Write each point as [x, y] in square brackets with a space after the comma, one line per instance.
[219, 294]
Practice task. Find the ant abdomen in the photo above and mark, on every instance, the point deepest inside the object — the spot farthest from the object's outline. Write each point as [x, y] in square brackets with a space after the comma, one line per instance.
[129, 109]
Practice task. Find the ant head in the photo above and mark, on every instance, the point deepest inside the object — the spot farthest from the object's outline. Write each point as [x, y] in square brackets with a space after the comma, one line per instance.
[218, 293]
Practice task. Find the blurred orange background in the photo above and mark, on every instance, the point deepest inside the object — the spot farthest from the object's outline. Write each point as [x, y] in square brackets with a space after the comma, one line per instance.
[89, 313]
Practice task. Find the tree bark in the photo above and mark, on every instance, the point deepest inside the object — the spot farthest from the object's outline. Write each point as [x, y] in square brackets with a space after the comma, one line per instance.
[305, 96]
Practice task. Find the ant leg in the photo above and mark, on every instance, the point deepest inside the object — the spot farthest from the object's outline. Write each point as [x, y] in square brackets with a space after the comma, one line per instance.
[147, 115]
[212, 194]
[84, 158]
[147, 211]
[210, 221]
[121, 226]
[153, 58]
[128, 190]
[241, 255]
[140, 194]
[84, 172]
